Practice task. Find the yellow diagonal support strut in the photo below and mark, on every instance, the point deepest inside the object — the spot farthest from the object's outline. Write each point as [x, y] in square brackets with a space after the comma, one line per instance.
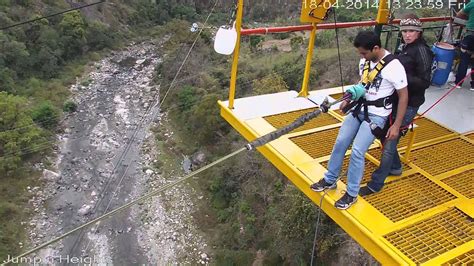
[307, 69]
[235, 61]
[314, 12]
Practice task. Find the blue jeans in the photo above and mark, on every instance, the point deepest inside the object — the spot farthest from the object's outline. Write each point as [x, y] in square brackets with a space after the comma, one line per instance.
[390, 159]
[361, 137]
[464, 64]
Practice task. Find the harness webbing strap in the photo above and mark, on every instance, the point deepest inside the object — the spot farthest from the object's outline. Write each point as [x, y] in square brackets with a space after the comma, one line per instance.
[368, 77]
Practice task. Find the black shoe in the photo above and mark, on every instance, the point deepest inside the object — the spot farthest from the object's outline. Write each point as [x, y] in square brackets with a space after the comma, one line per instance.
[345, 202]
[322, 185]
[364, 191]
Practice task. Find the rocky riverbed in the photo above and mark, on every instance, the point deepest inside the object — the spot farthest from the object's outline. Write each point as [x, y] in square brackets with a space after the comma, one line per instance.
[105, 159]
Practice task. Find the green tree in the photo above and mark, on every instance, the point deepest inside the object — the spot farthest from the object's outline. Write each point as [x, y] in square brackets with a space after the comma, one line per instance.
[296, 43]
[4, 19]
[206, 36]
[25, 3]
[158, 11]
[47, 52]
[291, 222]
[325, 38]
[163, 11]
[48, 62]
[292, 72]
[69, 106]
[49, 37]
[73, 34]
[186, 98]
[183, 12]
[33, 32]
[46, 115]
[255, 42]
[13, 54]
[205, 121]
[7, 80]
[19, 137]
[99, 36]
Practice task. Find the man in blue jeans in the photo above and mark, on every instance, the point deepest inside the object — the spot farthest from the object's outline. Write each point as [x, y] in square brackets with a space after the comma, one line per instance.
[416, 58]
[382, 75]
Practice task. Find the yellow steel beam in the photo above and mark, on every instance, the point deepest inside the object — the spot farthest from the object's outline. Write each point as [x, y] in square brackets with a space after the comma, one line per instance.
[363, 212]
[420, 216]
[430, 142]
[455, 172]
[235, 60]
[336, 115]
[307, 69]
[410, 145]
[466, 207]
[313, 130]
[437, 181]
[383, 12]
[453, 253]
[469, 137]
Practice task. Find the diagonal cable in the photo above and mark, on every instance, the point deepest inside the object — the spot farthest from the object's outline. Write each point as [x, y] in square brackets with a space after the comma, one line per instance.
[51, 15]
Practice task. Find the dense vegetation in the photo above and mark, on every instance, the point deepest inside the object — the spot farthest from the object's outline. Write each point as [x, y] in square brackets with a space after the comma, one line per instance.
[255, 211]
[37, 62]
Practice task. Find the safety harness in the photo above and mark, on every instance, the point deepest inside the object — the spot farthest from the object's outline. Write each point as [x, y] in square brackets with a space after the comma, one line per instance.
[368, 77]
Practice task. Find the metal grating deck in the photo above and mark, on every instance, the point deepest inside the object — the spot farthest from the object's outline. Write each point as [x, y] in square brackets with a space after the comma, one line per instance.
[377, 154]
[462, 183]
[426, 130]
[281, 120]
[427, 239]
[471, 136]
[445, 156]
[368, 169]
[466, 259]
[408, 196]
[424, 216]
[317, 144]
[339, 112]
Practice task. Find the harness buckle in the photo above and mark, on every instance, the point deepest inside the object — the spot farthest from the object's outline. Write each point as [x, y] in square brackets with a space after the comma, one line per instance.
[386, 102]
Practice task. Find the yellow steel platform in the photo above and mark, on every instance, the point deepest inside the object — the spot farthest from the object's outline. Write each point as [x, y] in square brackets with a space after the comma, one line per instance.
[423, 217]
